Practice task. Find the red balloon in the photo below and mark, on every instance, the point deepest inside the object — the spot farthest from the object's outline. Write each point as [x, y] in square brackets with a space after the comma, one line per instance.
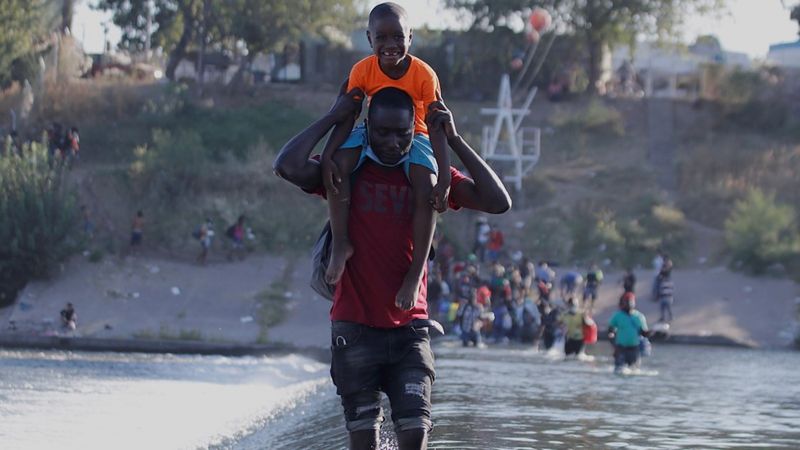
[533, 37]
[540, 19]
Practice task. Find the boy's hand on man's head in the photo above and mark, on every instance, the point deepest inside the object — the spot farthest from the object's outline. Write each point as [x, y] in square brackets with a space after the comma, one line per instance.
[439, 117]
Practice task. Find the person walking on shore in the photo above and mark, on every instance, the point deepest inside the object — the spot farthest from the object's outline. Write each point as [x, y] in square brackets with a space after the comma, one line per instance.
[205, 235]
[137, 231]
[666, 290]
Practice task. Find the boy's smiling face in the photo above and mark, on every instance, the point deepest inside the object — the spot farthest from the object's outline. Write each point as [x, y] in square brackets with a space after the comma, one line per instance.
[390, 38]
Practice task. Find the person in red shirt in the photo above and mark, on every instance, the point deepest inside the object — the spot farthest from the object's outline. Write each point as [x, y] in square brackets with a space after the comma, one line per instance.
[495, 245]
[379, 344]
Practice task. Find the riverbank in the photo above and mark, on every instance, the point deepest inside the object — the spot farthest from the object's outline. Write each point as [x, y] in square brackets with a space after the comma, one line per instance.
[187, 347]
[152, 304]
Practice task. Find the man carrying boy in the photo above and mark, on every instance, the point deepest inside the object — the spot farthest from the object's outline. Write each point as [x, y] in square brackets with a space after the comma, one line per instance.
[377, 345]
[390, 65]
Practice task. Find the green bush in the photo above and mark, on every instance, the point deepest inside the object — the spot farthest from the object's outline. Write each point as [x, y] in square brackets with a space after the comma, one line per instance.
[39, 215]
[171, 167]
[748, 100]
[760, 232]
[547, 236]
[596, 119]
[628, 239]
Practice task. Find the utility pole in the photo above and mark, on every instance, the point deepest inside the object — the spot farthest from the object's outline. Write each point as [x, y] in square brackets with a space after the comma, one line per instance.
[148, 30]
[203, 39]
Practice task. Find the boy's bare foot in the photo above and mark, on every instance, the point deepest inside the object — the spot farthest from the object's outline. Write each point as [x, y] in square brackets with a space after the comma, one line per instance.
[340, 253]
[407, 295]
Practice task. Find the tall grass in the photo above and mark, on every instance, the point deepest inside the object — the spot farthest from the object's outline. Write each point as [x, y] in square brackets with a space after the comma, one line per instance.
[39, 216]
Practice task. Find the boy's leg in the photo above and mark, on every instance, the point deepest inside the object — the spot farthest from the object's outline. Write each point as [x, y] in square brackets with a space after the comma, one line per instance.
[339, 210]
[423, 224]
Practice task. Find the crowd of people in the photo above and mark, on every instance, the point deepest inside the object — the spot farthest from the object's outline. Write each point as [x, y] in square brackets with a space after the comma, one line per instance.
[63, 143]
[482, 299]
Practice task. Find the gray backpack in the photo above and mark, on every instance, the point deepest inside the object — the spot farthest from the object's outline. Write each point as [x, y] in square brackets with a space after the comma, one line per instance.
[320, 256]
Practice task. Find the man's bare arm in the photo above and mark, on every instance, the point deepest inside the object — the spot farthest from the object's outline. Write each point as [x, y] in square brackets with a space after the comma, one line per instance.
[484, 192]
[294, 163]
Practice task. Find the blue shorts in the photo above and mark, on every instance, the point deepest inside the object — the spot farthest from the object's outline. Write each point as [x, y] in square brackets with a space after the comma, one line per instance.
[421, 152]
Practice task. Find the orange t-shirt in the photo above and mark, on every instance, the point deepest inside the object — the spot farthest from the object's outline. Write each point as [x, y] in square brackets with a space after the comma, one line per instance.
[420, 82]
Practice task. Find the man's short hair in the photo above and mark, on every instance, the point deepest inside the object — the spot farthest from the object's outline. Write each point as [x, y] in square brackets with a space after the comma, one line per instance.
[393, 98]
[387, 9]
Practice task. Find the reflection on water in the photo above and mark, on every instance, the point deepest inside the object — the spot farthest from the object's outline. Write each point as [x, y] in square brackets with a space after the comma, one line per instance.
[497, 398]
[504, 398]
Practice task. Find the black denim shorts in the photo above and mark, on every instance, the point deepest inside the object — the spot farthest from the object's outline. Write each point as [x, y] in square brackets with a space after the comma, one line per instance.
[397, 361]
[626, 356]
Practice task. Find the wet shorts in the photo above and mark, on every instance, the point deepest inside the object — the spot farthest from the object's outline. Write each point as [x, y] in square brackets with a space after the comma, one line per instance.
[626, 356]
[573, 346]
[397, 361]
[421, 152]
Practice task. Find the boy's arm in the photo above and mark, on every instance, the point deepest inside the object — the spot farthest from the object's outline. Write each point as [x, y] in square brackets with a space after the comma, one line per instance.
[484, 192]
[293, 162]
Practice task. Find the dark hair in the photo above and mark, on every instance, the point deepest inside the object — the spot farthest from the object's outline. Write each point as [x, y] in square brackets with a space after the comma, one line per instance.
[391, 98]
[387, 9]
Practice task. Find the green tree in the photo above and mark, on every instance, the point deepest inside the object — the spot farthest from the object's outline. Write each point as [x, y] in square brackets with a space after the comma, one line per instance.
[263, 25]
[67, 12]
[760, 232]
[19, 22]
[598, 23]
[39, 217]
[174, 25]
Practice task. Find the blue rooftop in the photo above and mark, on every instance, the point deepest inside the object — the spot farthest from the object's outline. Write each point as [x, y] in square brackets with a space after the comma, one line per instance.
[784, 45]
